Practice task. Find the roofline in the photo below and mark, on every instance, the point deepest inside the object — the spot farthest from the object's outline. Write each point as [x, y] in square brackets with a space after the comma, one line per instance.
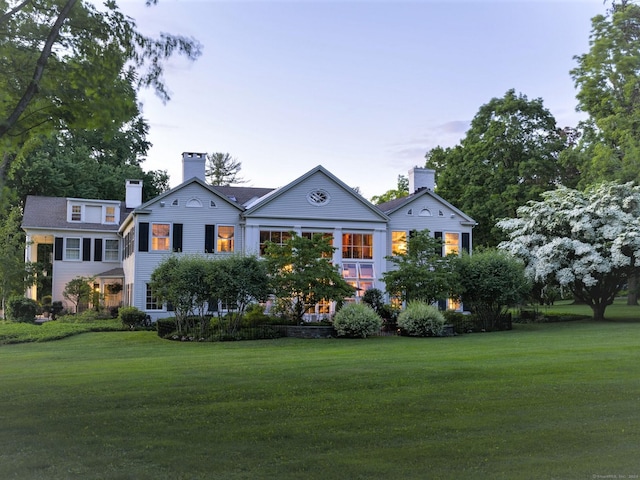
[319, 168]
[426, 191]
[65, 229]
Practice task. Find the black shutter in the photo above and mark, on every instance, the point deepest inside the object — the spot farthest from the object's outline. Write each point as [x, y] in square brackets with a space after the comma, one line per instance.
[97, 250]
[57, 248]
[466, 242]
[86, 249]
[209, 232]
[143, 237]
[438, 236]
[177, 237]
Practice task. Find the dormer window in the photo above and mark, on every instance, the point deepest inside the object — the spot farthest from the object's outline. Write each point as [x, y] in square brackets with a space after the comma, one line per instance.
[110, 215]
[76, 213]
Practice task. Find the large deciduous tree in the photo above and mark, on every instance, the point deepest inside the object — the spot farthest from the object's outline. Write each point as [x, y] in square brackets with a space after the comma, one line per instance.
[401, 191]
[301, 272]
[67, 64]
[608, 81]
[585, 241]
[508, 157]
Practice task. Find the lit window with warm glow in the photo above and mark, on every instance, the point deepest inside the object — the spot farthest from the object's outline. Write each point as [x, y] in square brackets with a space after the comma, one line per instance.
[398, 243]
[225, 239]
[451, 243]
[160, 236]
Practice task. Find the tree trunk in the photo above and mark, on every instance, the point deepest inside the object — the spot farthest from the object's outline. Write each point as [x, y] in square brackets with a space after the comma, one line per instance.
[632, 286]
[598, 311]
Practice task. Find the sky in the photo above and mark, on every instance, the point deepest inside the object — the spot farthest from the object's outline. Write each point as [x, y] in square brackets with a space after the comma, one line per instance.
[364, 88]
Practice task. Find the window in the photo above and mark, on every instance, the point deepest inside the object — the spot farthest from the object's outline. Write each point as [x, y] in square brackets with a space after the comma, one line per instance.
[129, 243]
[194, 203]
[110, 215]
[425, 212]
[72, 249]
[76, 213]
[212, 203]
[451, 243]
[160, 236]
[225, 238]
[276, 236]
[359, 275]
[398, 243]
[357, 245]
[151, 300]
[175, 203]
[111, 248]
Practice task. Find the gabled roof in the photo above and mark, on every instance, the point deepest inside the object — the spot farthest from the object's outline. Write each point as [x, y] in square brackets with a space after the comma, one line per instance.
[275, 194]
[51, 213]
[215, 190]
[394, 205]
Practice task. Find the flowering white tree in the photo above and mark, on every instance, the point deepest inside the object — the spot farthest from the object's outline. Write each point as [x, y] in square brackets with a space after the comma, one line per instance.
[588, 242]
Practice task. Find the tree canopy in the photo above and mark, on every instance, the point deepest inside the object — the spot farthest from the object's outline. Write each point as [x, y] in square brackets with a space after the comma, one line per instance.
[608, 81]
[301, 272]
[401, 191]
[508, 157]
[223, 169]
[585, 241]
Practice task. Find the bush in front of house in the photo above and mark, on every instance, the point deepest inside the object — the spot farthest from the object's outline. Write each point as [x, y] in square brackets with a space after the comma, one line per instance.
[131, 317]
[21, 309]
[357, 320]
[421, 320]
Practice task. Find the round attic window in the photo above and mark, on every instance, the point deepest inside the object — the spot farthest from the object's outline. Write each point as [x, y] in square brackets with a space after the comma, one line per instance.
[318, 197]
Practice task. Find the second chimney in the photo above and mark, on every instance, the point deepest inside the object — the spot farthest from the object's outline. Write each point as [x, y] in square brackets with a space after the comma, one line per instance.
[193, 165]
[420, 178]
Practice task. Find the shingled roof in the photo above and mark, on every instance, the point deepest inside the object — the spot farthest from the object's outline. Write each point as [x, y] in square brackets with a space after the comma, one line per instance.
[242, 195]
[51, 212]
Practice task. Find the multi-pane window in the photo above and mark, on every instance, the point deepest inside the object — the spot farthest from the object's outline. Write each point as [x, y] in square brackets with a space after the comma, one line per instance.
[152, 302]
[110, 215]
[76, 213]
[357, 245]
[72, 249]
[160, 236]
[129, 243]
[359, 275]
[225, 238]
[398, 243]
[324, 235]
[276, 236]
[451, 243]
[111, 248]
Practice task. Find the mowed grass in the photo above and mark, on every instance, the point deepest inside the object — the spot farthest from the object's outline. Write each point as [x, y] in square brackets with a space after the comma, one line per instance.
[542, 401]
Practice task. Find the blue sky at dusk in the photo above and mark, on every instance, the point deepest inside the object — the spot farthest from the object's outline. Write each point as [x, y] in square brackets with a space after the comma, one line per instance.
[364, 88]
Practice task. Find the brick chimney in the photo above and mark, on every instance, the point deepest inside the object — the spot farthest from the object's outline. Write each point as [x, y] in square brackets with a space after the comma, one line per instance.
[193, 165]
[133, 193]
[420, 178]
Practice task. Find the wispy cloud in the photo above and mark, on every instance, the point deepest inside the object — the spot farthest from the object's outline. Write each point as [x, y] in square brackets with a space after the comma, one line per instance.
[444, 135]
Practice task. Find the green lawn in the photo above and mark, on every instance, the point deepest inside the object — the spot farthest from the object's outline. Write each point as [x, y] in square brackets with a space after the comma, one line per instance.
[542, 401]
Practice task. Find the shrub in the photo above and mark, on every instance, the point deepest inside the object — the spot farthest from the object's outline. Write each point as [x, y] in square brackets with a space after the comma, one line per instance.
[88, 316]
[166, 327]
[357, 320]
[132, 317]
[254, 315]
[421, 320]
[21, 309]
[461, 322]
[56, 309]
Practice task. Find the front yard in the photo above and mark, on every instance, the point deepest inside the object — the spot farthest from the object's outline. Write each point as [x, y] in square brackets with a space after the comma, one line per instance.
[541, 401]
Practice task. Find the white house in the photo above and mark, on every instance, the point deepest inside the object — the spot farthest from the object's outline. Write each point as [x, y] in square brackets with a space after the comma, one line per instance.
[123, 242]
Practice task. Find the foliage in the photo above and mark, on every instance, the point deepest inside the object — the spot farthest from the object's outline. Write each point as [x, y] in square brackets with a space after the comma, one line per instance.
[21, 309]
[491, 281]
[401, 191]
[421, 273]
[237, 281]
[357, 320]
[78, 291]
[301, 270]
[421, 320]
[508, 157]
[461, 322]
[223, 169]
[374, 297]
[80, 70]
[608, 81]
[131, 317]
[12, 333]
[585, 241]
[15, 276]
[254, 315]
